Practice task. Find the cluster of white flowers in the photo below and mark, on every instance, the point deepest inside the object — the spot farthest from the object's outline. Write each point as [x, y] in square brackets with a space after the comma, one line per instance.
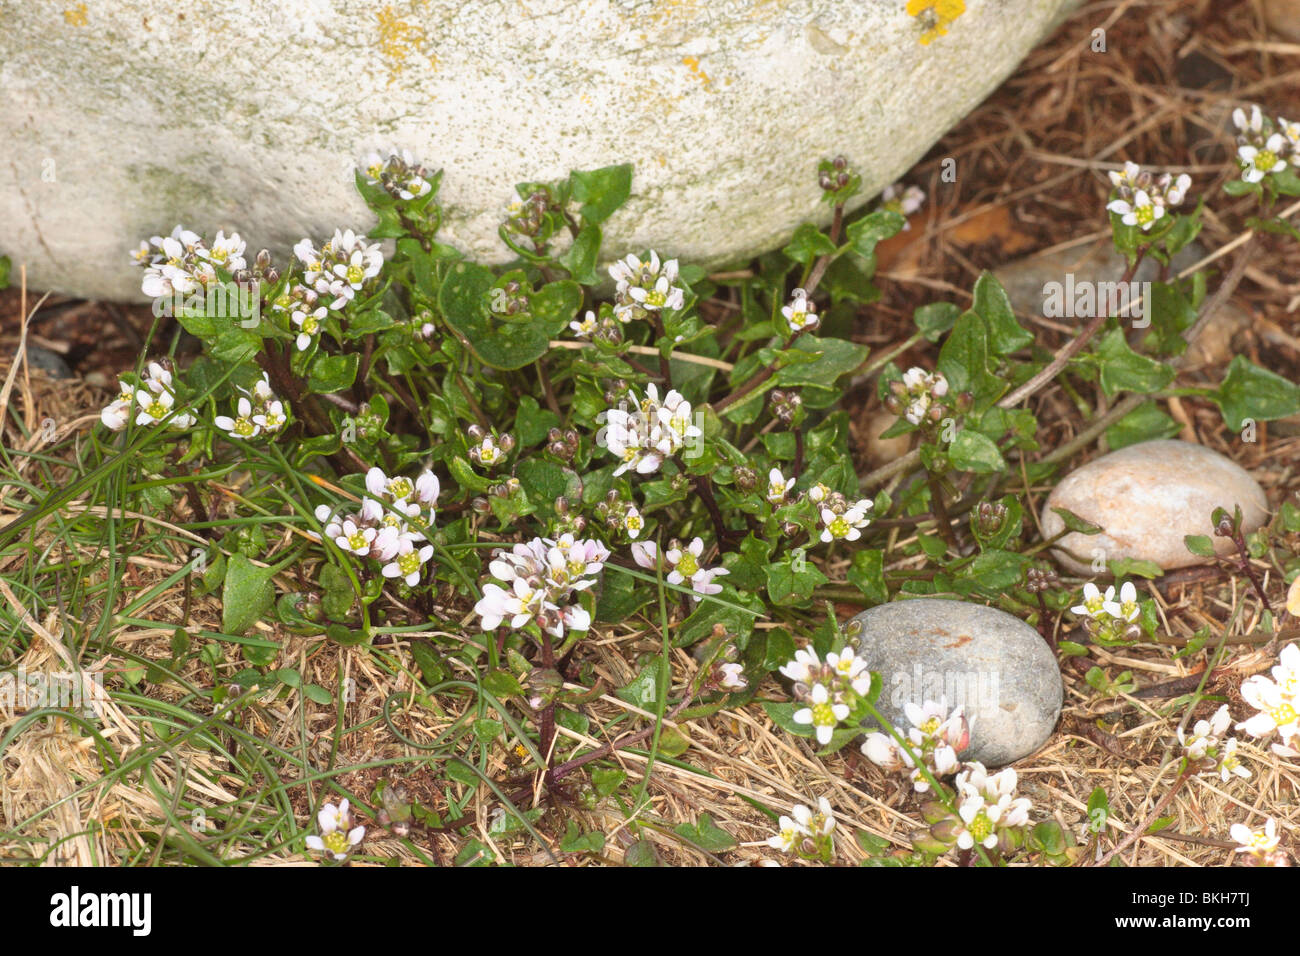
[681, 563]
[987, 807]
[1106, 618]
[645, 287]
[542, 580]
[398, 173]
[182, 262]
[390, 525]
[800, 316]
[647, 435]
[340, 268]
[1143, 199]
[153, 402]
[827, 687]
[1206, 749]
[305, 310]
[1262, 148]
[336, 839]
[1278, 701]
[923, 390]
[935, 735]
[904, 200]
[841, 520]
[806, 832]
[265, 414]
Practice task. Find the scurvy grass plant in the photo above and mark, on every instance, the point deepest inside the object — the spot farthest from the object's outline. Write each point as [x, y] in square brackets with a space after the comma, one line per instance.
[528, 454]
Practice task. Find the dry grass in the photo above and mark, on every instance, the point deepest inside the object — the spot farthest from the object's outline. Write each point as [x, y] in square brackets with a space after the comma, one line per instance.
[1032, 161]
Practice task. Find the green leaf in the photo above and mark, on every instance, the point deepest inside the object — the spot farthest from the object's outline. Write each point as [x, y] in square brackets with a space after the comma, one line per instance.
[544, 481]
[1145, 423]
[807, 244]
[606, 780]
[317, 694]
[1249, 391]
[641, 853]
[332, 373]
[502, 684]
[974, 452]
[246, 595]
[935, 319]
[705, 834]
[1199, 544]
[339, 596]
[867, 574]
[576, 841]
[1123, 369]
[554, 305]
[1074, 523]
[1133, 567]
[964, 362]
[783, 716]
[991, 302]
[5, 266]
[620, 598]
[464, 300]
[875, 227]
[581, 257]
[826, 361]
[791, 580]
[601, 191]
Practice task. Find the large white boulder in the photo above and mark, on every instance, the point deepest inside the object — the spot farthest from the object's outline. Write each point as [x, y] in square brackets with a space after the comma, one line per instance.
[120, 119]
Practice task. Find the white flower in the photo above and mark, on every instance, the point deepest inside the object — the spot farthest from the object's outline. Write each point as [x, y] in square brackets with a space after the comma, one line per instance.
[778, 486]
[1252, 125]
[822, 714]
[646, 436]
[633, 523]
[586, 327]
[228, 252]
[241, 427]
[272, 417]
[1205, 734]
[117, 413]
[1142, 211]
[335, 839]
[788, 836]
[1291, 131]
[1126, 179]
[1126, 609]
[1255, 842]
[799, 314]
[846, 526]
[1277, 710]
[732, 677]
[407, 562]
[851, 669]
[1259, 162]
[355, 539]
[309, 324]
[817, 493]
[1094, 603]
[153, 408]
[902, 200]
[804, 667]
[486, 453]
[685, 566]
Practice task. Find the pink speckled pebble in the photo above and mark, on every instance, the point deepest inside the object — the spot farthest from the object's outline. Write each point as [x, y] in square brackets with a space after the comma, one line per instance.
[1147, 497]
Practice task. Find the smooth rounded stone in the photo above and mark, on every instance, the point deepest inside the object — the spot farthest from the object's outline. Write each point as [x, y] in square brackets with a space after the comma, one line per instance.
[122, 119]
[996, 666]
[1146, 498]
[51, 363]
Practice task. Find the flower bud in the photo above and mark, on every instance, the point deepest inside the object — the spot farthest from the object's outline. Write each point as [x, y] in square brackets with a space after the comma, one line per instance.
[746, 479]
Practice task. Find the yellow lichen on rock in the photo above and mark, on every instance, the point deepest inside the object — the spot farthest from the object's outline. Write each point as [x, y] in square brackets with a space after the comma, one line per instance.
[939, 13]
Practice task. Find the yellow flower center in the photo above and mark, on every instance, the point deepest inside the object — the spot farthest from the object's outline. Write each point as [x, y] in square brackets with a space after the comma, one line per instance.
[1145, 214]
[1283, 714]
[357, 540]
[400, 488]
[980, 827]
[838, 528]
[409, 563]
[1265, 160]
[687, 564]
[243, 427]
[823, 715]
[336, 842]
[356, 274]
